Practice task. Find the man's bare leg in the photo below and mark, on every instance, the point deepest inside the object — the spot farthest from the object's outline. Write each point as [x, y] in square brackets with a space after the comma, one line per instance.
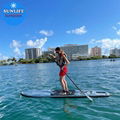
[65, 82]
[62, 82]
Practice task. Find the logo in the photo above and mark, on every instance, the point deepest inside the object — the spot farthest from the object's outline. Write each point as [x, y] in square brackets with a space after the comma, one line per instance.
[13, 5]
[13, 13]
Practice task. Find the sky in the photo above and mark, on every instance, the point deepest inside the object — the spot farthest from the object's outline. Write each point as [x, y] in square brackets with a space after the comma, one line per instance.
[52, 23]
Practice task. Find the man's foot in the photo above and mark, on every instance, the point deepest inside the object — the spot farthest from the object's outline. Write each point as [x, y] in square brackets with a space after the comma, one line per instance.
[67, 92]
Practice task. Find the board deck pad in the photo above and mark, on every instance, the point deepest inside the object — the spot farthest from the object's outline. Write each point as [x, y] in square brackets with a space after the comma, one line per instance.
[58, 94]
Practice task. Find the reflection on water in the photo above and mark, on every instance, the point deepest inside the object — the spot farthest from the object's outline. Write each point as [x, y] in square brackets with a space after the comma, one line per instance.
[67, 105]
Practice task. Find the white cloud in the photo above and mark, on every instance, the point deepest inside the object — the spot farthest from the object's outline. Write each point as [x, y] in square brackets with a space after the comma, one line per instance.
[118, 32]
[3, 57]
[106, 44]
[118, 23]
[68, 32]
[38, 43]
[15, 45]
[30, 43]
[78, 31]
[117, 28]
[109, 43]
[17, 51]
[46, 32]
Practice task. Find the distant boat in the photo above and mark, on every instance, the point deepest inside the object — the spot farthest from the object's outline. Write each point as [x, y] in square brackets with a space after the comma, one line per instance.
[112, 60]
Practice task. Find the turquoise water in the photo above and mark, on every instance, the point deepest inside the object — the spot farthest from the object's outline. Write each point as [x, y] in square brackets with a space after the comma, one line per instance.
[102, 75]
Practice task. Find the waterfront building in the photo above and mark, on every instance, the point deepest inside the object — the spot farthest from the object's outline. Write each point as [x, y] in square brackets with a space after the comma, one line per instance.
[115, 52]
[96, 51]
[47, 52]
[32, 53]
[77, 55]
[73, 51]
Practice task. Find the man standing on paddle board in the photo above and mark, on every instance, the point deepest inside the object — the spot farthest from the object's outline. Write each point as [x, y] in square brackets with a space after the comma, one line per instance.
[62, 61]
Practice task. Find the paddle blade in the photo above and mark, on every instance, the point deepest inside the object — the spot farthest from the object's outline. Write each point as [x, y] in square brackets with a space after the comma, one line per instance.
[89, 97]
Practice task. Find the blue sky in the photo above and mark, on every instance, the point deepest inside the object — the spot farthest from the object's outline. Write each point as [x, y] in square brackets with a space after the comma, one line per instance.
[51, 23]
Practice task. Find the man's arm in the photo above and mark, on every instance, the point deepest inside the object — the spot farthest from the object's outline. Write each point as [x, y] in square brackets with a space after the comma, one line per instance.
[66, 60]
[53, 56]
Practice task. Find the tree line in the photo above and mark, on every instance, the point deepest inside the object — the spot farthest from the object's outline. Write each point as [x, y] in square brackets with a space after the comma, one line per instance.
[46, 59]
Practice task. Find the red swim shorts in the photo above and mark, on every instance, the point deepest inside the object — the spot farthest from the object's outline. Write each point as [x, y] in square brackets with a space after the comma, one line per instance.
[63, 71]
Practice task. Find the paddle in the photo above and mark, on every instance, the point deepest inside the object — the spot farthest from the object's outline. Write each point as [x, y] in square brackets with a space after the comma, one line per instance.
[79, 88]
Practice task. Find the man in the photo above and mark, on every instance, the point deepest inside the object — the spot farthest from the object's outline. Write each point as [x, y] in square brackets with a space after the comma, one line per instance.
[62, 61]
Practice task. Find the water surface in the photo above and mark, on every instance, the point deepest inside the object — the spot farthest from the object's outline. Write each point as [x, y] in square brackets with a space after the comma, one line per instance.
[101, 75]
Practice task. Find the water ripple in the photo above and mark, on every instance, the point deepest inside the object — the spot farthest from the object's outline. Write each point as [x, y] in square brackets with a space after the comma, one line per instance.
[101, 75]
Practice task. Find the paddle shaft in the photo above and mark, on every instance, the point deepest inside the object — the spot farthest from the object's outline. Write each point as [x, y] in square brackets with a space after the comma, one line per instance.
[78, 87]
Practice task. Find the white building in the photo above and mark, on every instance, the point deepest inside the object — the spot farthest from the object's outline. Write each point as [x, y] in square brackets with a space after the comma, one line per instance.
[77, 55]
[32, 53]
[70, 49]
[73, 51]
[115, 52]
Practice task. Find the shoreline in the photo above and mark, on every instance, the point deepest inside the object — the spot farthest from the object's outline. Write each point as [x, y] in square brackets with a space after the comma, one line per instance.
[85, 59]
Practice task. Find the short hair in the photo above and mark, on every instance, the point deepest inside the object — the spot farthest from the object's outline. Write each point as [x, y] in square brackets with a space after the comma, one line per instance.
[57, 48]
